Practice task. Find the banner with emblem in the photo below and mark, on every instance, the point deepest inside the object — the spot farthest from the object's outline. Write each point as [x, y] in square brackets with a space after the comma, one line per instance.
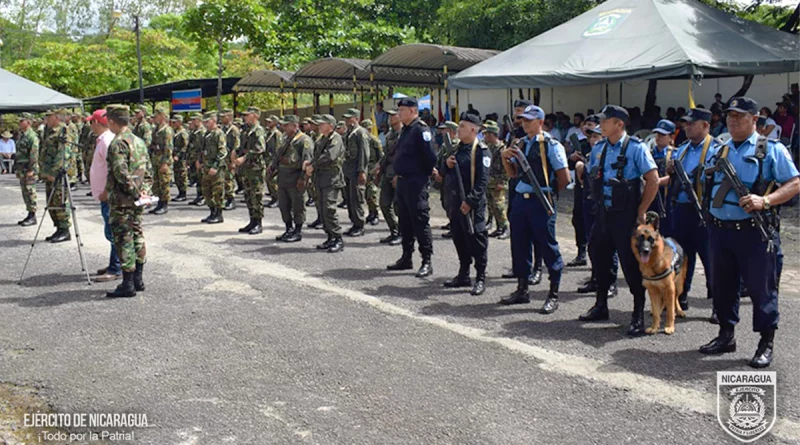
[746, 403]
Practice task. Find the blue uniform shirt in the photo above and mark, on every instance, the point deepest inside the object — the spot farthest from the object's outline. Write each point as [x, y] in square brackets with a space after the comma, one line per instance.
[556, 159]
[778, 167]
[639, 161]
[691, 160]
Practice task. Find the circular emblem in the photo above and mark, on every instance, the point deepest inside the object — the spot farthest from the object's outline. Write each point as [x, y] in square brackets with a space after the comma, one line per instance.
[734, 103]
[606, 22]
[747, 414]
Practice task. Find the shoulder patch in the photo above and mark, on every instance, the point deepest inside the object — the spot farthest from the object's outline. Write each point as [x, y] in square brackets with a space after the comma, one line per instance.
[487, 161]
[426, 135]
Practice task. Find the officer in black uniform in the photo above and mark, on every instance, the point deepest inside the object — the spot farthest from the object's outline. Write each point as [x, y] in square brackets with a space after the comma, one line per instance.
[511, 137]
[738, 250]
[413, 165]
[472, 158]
[617, 166]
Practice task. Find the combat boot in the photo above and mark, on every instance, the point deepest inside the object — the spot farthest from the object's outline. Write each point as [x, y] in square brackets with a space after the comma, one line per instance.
[29, 220]
[157, 208]
[480, 282]
[724, 342]
[404, 263]
[763, 355]
[180, 198]
[426, 269]
[294, 236]
[256, 229]
[217, 217]
[283, 235]
[60, 236]
[460, 280]
[126, 289]
[336, 245]
[580, 259]
[551, 303]
[161, 209]
[211, 214]
[272, 203]
[246, 229]
[599, 311]
[310, 202]
[326, 244]
[229, 204]
[138, 282]
[317, 224]
[536, 277]
[520, 296]
[636, 328]
[502, 233]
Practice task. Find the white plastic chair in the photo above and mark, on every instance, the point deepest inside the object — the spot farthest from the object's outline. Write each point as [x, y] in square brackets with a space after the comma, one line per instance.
[723, 138]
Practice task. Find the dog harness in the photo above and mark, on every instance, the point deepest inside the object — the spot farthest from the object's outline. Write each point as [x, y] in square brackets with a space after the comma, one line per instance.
[677, 259]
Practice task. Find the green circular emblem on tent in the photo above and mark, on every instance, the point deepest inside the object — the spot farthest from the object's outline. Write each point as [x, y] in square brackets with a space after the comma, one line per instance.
[606, 22]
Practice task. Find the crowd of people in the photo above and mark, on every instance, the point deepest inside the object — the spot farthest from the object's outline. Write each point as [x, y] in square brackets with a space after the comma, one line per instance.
[507, 173]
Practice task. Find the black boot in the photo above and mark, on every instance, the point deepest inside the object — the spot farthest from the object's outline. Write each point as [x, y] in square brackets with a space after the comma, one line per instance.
[256, 229]
[126, 289]
[724, 342]
[180, 198]
[229, 204]
[388, 238]
[29, 220]
[373, 219]
[272, 203]
[158, 207]
[480, 282]
[612, 291]
[249, 226]
[599, 311]
[404, 263]
[60, 236]
[326, 244]
[503, 234]
[310, 202]
[336, 245]
[211, 214]
[426, 269]
[217, 218]
[201, 201]
[683, 300]
[589, 288]
[713, 319]
[355, 231]
[395, 239]
[162, 209]
[520, 296]
[317, 224]
[636, 328]
[283, 235]
[763, 355]
[536, 277]
[551, 303]
[58, 231]
[196, 201]
[509, 275]
[294, 236]
[460, 280]
[138, 282]
[579, 260]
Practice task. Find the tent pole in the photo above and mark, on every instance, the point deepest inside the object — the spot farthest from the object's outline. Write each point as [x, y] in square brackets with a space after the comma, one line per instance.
[372, 102]
[552, 100]
[606, 94]
[446, 95]
[456, 116]
[355, 89]
[620, 94]
[294, 97]
[283, 99]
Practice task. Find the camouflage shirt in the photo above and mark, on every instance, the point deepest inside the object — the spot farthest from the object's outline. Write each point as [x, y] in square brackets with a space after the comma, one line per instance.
[253, 148]
[180, 144]
[232, 138]
[87, 139]
[375, 151]
[54, 156]
[327, 161]
[356, 156]
[129, 170]
[161, 147]
[27, 157]
[496, 172]
[273, 140]
[215, 150]
[195, 147]
[144, 131]
[387, 170]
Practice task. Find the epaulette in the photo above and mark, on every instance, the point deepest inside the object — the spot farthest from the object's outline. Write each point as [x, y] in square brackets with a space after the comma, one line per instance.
[636, 139]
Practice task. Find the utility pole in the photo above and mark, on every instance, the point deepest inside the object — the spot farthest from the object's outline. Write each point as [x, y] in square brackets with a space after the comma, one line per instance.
[139, 58]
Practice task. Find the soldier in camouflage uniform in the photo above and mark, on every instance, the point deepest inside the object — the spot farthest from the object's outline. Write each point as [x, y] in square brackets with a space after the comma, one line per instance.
[372, 190]
[232, 136]
[55, 156]
[326, 168]
[86, 140]
[77, 150]
[384, 173]
[498, 180]
[213, 160]
[180, 145]
[197, 134]
[356, 164]
[161, 159]
[296, 149]
[311, 128]
[238, 177]
[130, 178]
[142, 128]
[27, 166]
[252, 163]
[274, 140]
[73, 148]
[449, 127]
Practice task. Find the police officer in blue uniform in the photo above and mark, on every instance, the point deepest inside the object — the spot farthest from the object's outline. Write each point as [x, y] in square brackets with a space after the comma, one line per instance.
[529, 220]
[472, 158]
[519, 133]
[662, 152]
[617, 167]
[413, 165]
[737, 249]
[688, 230]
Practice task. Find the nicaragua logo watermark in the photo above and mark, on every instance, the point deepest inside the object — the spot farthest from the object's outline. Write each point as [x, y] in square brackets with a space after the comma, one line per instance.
[746, 403]
[606, 22]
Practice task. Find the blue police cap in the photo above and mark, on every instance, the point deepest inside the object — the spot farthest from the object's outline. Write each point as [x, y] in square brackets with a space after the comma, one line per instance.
[596, 130]
[532, 112]
[664, 126]
[616, 111]
[471, 118]
[522, 103]
[743, 104]
[407, 102]
[697, 114]
[593, 118]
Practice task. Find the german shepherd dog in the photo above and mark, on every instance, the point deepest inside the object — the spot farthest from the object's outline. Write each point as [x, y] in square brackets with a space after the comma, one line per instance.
[663, 267]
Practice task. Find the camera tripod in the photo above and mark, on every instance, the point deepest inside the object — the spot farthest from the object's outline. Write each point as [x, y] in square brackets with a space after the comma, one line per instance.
[63, 182]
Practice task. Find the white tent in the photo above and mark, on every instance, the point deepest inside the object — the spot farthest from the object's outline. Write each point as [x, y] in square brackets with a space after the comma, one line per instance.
[19, 94]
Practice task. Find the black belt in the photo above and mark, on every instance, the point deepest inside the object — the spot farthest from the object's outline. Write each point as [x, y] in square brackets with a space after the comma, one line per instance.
[739, 224]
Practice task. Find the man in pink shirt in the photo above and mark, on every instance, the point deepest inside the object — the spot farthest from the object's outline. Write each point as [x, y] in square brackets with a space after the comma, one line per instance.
[97, 180]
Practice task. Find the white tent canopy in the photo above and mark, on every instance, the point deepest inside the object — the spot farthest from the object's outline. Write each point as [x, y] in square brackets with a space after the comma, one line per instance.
[20, 94]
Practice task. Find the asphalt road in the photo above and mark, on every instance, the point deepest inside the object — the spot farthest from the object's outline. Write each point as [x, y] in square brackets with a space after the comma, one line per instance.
[239, 339]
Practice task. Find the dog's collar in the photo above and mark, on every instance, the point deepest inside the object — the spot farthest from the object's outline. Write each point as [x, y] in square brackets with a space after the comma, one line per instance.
[676, 261]
[660, 276]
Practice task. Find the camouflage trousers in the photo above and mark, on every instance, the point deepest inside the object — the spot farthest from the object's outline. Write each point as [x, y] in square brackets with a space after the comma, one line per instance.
[311, 189]
[126, 228]
[72, 168]
[373, 194]
[79, 165]
[272, 186]
[253, 182]
[387, 206]
[230, 182]
[88, 155]
[28, 187]
[161, 181]
[181, 175]
[214, 188]
[496, 203]
[326, 207]
[59, 213]
[292, 206]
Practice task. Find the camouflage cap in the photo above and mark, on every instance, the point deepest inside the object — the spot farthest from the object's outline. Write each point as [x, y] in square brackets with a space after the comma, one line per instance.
[450, 125]
[253, 110]
[352, 112]
[176, 118]
[161, 110]
[196, 116]
[140, 109]
[118, 111]
[366, 123]
[315, 117]
[226, 112]
[491, 127]
[326, 119]
[209, 115]
[61, 112]
[27, 116]
[86, 114]
[392, 112]
[290, 119]
[273, 118]
[308, 120]
[238, 121]
[340, 124]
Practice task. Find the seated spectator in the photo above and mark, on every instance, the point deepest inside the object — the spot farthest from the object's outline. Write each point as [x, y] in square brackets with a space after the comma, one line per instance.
[381, 117]
[8, 149]
[550, 127]
[785, 121]
[680, 112]
[577, 123]
[717, 126]
[471, 110]
[771, 128]
[718, 104]
[672, 114]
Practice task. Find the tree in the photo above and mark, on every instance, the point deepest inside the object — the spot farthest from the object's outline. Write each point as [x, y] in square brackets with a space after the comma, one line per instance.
[220, 22]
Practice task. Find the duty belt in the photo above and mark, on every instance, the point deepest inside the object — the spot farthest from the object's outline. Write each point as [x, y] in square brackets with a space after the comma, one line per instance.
[739, 224]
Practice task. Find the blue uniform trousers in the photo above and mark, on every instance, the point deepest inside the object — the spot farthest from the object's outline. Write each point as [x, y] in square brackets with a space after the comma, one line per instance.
[588, 223]
[741, 256]
[413, 215]
[531, 226]
[693, 237]
[610, 235]
[537, 254]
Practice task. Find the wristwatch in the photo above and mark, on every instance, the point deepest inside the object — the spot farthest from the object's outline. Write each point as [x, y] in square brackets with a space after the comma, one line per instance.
[766, 203]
